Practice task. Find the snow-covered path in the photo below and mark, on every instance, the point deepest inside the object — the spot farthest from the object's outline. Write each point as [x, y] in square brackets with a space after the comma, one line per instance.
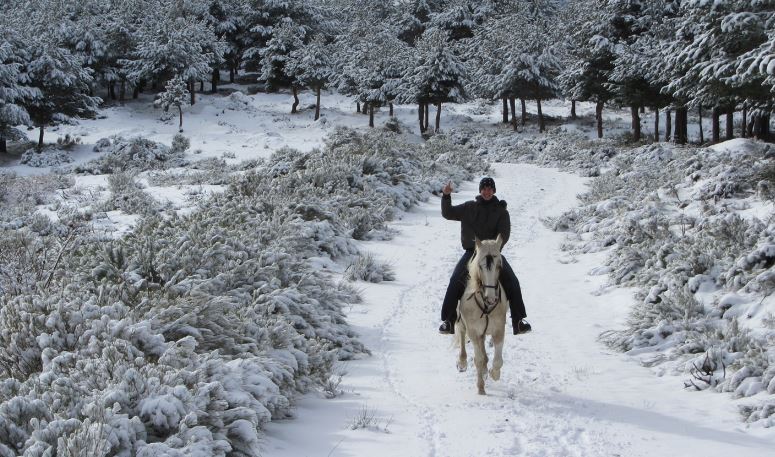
[561, 393]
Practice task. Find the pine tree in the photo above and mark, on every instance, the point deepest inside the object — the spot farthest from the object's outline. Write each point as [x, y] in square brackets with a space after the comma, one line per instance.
[591, 56]
[310, 66]
[175, 94]
[63, 83]
[437, 75]
[14, 92]
[171, 44]
[286, 38]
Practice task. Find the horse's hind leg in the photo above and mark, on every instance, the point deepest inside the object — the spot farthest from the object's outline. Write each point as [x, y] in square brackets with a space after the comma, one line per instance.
[497, 362]
[462, 359]
[480, 360]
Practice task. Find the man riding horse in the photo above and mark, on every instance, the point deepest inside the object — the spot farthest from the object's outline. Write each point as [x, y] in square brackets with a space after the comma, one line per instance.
[484, 218]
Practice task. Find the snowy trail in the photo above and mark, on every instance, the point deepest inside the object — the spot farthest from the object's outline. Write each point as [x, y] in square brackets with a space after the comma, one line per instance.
[561, 393]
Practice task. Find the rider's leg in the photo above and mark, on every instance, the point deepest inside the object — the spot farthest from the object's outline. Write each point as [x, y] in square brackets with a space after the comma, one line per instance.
[510, 285]
[456, 287]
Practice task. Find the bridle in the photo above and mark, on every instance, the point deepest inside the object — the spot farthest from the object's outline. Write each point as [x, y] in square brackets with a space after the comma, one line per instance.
[486, 309]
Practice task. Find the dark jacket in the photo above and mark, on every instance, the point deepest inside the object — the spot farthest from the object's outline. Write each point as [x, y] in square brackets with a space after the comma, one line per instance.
[478, 219]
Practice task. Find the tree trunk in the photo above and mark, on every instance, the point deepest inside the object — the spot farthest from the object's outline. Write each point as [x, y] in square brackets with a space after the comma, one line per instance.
[112, 90]
[122, 91]
[761, 127]
[371, 114]
[730, 123]
[40, 139]
[426, 112]
[642, 110]
[390, 104]
[699, 114]
[715, 128]
[201, 85]
[215, 79]
[573, 109]
[421, 117]
[743, 130]
[317, 103]
[599, 118]
[357, 107]
[3, 145]
[505, 109]
[295, 99]
[513, 107]
[681, 123]
[668, 124]
[136, 92]
[231, 75]
[524, 111]
[180, 113]
[634, 111]
[656, 125]
[541, 124]
[192, 91]
[438, 117]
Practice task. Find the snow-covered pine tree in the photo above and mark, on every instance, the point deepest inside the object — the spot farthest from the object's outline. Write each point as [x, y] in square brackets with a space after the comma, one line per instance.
[436, 76]
[170, 44]
[633, 81]
[175, 94]
[310, 66]
[590, 56]
[14, 92]
[63, 82]
[704, 57]
[287, 37]
[228, 18]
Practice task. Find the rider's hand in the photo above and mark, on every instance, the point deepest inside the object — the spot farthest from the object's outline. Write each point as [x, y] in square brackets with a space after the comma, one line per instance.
[447, 189]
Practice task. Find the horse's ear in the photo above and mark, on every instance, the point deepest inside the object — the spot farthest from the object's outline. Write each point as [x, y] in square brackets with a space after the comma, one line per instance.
[478, 243]
[499, 240]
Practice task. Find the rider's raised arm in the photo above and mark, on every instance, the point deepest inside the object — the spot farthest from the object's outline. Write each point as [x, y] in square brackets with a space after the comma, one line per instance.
[453, 213]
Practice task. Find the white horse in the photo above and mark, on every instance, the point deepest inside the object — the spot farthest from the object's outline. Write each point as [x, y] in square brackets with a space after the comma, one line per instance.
[482, 311]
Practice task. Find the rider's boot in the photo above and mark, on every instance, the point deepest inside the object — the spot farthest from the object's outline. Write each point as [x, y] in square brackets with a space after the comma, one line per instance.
[520, 326]
[446, 328]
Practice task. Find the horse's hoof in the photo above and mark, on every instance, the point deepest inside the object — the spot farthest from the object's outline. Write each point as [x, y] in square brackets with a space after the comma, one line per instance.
[495, 374]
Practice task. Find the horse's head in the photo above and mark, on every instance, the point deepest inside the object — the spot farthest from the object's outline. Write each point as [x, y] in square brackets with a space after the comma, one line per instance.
[485, 269]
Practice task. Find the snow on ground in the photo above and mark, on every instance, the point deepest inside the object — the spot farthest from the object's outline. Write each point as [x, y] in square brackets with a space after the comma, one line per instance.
[561, 393]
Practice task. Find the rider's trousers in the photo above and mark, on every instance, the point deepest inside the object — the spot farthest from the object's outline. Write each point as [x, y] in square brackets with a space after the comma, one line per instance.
[457, 285]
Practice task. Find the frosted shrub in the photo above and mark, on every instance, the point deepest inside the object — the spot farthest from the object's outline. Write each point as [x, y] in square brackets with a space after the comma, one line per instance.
[137, 154]
[180, 143]
[48, 157]
[367, 268]
[126, 195]
[190, 333]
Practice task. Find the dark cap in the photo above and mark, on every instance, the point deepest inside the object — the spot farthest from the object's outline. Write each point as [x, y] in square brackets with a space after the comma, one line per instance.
[487, 182]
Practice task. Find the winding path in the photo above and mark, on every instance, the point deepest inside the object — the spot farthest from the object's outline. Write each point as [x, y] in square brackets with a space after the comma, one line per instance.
[561, 393]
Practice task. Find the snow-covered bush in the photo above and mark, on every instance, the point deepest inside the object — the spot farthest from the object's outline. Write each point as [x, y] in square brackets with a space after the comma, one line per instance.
[180, 143]
[676, 225]
[127, 195]
[48, 157]
[137, 154]
[368, 268]
[190, 333]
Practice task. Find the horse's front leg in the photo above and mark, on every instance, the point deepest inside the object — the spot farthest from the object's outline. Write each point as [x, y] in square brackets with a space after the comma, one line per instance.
[497, 362]
[480, 360]
[462, 359]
